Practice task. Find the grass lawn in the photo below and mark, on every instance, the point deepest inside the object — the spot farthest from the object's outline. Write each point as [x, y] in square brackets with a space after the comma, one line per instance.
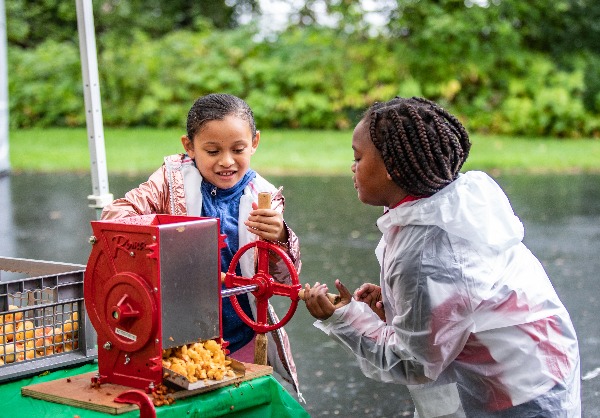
[284, 152]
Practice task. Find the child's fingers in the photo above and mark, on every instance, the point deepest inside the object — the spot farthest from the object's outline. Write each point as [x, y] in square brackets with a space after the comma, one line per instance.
[262, 224]
[266, 217]
[319, 288]
[317, 302]
[366, 290]
[267, 213]
[362, 292]
[262, 228]
[344, 292]
[358, 293]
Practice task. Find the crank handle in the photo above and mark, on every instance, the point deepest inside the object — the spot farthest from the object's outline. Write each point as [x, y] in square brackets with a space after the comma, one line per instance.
[334, 299]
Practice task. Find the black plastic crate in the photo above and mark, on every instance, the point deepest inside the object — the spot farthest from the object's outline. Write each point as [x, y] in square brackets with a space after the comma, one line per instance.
[43, 321]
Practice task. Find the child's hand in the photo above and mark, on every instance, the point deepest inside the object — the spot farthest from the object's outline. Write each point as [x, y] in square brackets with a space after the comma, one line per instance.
[317, 302]
[267, 224]
[371, 295]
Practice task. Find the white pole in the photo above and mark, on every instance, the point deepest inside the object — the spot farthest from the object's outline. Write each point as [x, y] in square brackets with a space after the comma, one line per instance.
[100, 196]
[4, 160]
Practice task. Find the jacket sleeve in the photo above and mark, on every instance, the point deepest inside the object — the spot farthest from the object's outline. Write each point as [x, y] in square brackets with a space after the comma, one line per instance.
[380, 352]
[431, 321]
[148, 198]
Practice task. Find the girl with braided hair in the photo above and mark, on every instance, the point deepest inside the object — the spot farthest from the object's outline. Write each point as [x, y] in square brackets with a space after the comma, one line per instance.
[213, 178]
[464, 314]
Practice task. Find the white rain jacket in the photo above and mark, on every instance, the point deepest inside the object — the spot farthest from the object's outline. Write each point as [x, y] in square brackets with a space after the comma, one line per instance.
[473, 324]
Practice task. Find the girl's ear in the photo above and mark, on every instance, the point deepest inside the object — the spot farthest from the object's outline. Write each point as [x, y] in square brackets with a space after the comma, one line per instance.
[188, 146]
[255, 142]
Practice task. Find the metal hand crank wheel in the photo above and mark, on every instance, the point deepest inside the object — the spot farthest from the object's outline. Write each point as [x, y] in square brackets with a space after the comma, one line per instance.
[267, 286]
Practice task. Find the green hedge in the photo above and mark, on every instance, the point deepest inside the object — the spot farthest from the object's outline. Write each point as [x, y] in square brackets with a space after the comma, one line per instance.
[311, 78]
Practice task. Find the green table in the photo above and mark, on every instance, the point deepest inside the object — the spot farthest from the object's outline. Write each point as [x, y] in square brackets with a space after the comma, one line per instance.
[261, 397]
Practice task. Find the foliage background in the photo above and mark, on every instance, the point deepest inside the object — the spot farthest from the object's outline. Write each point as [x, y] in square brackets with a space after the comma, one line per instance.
[503, 66]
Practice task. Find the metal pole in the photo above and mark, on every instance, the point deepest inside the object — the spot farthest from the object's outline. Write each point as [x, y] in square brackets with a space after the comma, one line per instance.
[4, 157]
[100, 196]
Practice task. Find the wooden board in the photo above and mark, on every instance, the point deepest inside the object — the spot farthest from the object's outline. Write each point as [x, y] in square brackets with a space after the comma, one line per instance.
[78, 391]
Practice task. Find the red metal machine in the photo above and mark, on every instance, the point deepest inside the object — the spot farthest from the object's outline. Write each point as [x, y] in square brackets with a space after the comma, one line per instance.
[154, 282]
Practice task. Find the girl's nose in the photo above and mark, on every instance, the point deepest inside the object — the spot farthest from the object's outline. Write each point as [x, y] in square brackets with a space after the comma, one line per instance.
[227, 160]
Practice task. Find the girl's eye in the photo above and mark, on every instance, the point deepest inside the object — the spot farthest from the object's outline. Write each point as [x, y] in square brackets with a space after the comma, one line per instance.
[212, 152]
[239, 150]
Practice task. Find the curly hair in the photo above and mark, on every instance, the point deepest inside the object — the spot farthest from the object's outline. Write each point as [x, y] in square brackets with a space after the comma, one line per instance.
[216, 106]
[422, 145]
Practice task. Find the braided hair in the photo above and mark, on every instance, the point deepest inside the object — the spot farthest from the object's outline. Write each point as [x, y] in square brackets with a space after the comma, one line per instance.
[217, 106]
[422, 145]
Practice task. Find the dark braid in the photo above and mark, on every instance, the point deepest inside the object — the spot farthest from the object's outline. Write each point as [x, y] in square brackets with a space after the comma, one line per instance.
[422, 146]
[217, 106]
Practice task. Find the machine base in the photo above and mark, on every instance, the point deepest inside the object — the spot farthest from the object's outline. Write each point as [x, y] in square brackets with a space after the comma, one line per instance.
[78, 391]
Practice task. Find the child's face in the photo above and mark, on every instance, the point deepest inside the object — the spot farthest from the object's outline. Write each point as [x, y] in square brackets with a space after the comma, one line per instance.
[222, 150]
[371, 179]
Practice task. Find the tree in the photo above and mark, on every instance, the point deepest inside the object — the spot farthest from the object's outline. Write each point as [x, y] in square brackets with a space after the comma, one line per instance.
[556, 26]
[30, 22]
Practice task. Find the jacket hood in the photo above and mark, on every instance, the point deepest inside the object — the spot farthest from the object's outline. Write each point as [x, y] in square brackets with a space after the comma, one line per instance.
[472, 207]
